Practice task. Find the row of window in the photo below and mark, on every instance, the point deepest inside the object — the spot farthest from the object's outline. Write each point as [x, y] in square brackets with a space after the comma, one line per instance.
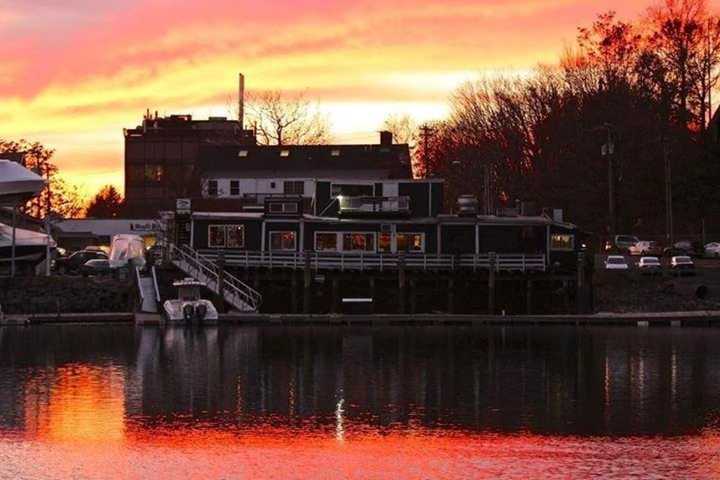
[233, 236]
[297, 187]
[148, 173]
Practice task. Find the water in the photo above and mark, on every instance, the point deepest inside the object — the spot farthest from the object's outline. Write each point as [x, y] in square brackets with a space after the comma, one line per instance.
[119, 402]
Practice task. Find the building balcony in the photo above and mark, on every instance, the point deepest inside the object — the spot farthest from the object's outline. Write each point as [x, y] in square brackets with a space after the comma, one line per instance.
[374, 205]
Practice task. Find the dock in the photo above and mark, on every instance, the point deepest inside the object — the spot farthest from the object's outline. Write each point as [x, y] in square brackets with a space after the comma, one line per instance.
[702, 318]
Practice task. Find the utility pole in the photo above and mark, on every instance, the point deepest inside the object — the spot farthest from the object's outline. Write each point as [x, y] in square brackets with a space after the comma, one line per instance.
[668, 194]
[426, 132]
[608, 150]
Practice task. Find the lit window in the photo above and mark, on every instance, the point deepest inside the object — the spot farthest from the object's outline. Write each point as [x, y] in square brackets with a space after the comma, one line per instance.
[153, 173]
[358, 242]
[284, 153]
[410, 242]
[385, 242]
[243, 153]
[562, 242]
[326, 241]
[335, 152]
[212, 189]
[283, 241]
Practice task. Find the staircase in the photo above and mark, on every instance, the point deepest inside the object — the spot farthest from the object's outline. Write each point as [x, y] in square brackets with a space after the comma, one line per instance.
[201, 268]
[147, 288]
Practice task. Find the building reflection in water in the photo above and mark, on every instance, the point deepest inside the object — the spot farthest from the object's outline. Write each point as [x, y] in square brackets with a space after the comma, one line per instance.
[88, 383]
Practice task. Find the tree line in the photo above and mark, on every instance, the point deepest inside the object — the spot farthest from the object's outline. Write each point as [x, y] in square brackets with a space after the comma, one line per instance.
[625, 109]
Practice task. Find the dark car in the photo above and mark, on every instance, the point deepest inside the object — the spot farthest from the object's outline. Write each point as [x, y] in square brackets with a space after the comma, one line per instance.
[98, 266]
[72, 263]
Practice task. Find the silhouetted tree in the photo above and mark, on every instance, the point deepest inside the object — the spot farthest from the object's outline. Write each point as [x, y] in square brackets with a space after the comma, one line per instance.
[285, 119]
[107, 203]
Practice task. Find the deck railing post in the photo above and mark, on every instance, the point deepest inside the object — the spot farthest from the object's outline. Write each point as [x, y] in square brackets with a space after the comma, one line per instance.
[491, 283]
[221, 278]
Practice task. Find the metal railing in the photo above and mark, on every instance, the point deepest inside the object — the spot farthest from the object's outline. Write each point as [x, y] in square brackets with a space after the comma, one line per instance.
[361, 261]
[204, 268]
[139, 285]
[155, 285]
[399, 204]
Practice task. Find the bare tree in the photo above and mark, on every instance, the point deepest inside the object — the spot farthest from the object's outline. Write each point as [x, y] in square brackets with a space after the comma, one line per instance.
[283, 119]
[404, 129]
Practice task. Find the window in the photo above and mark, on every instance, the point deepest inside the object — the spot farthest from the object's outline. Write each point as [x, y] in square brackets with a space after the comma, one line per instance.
[135, 174]
[562, 242]
[335, 152]
[326, 241]
[385, 242]
[294, 187]
[278, 207]
[358, 242]
[212, 188]
[243, 153]
[226, 236]
[284, 152]
[352, 190]
[283, 241]
[234, 188]
[410, 242]
[153, 173]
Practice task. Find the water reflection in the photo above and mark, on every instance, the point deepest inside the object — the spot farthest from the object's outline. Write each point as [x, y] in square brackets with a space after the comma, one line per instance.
[448, 395]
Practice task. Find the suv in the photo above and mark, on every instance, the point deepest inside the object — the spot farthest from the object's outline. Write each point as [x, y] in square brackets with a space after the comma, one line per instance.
[72, 263]
[645, 247]
[622, 242]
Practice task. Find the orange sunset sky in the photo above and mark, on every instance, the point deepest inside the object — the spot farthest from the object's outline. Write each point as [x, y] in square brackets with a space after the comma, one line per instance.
[73, 73]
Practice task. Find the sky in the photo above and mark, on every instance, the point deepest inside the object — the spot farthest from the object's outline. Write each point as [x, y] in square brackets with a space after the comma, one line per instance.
[74, 73]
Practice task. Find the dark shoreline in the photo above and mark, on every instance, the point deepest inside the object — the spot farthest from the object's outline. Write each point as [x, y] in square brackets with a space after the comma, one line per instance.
[675, 319]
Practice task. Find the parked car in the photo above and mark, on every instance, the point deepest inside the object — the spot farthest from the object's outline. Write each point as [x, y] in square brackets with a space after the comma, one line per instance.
[622, 242]
[645, 247]
[650, 266]
[682, 264]
[97, 266]
[616, 262]
[712, 249]
[72, 263]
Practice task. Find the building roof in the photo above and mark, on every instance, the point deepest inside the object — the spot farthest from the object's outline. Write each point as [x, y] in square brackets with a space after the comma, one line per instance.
[333, 161]
[107, 227]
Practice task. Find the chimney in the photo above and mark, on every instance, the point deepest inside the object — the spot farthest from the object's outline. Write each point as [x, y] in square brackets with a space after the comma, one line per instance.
[386, 138]
[241, 99]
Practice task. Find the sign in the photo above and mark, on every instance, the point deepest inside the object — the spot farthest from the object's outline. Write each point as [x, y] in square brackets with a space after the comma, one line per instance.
[144, 227]
[183, 205]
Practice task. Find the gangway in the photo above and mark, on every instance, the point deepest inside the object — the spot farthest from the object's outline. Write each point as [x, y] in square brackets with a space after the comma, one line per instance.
[148, 290]
[234, 291]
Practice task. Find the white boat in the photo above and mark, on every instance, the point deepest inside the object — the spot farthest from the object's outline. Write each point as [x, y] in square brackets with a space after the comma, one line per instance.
[189, 306]
[17, 183]
[127, 250]
[30, 246]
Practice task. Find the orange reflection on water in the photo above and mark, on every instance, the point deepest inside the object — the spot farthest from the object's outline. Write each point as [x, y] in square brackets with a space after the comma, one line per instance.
[77, 403]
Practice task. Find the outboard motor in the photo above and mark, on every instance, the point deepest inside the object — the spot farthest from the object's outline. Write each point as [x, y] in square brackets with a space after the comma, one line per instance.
[200, 312]
[188, 312]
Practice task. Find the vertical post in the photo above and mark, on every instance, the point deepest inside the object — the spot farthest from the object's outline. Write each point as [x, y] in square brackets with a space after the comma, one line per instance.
[372, 293]
[491, 283]
[335, 293]
[451, 294]
[294, 290]
[307, 279]
[580, 288]
[529, 297]
[12, 248]
[221, 277]
[401, 283]
[413, 295]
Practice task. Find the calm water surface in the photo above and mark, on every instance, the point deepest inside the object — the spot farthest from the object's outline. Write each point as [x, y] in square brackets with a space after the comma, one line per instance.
[125, 402]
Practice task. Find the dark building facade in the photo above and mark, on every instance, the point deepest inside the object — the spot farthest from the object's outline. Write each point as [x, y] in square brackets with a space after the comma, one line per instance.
[161, 158]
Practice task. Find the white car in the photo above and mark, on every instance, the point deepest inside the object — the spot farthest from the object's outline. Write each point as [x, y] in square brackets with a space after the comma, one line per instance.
[616, 262]
[682, 264]
[650, 265]
[712, 249]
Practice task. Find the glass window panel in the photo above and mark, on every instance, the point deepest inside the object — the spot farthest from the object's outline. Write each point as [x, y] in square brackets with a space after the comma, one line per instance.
[212, 188]
[385, 242]
[562, 242]
[358, 242]
[410, 242]
[234, 187]
[235, 236]
[326, 241]
[216, 236]
[282, 241]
